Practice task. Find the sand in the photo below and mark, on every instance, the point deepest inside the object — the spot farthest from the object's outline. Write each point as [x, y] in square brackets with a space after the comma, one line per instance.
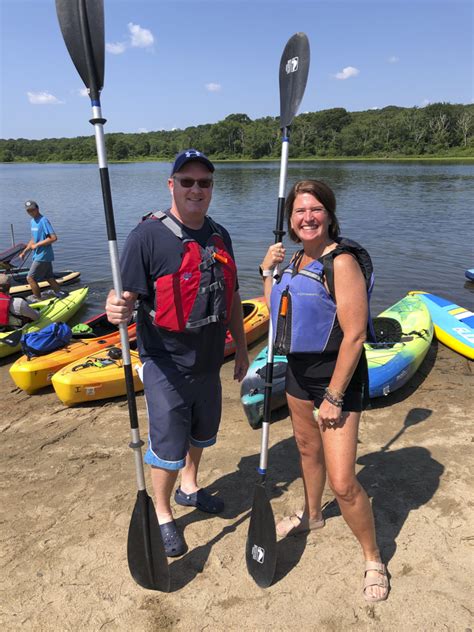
[68, 489]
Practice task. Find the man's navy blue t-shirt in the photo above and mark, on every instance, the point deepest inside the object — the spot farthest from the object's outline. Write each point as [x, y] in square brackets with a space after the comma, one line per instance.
[151, 251]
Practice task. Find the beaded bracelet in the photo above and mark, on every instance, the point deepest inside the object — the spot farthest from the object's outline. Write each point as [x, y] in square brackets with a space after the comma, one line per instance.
[332, 399]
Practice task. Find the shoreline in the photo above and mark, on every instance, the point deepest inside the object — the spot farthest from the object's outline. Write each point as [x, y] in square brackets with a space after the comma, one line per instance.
[461, 159]
[69, 488]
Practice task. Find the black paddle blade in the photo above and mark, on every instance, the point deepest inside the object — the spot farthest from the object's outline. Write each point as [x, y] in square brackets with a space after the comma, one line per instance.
[261, 553]
[147, 560]
[82, 26]
[13, 339]
[294, 68]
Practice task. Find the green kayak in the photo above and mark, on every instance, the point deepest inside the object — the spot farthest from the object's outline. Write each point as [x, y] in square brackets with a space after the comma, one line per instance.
[52, 310]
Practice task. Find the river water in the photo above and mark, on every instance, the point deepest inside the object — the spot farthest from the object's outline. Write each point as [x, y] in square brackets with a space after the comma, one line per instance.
[414, 218]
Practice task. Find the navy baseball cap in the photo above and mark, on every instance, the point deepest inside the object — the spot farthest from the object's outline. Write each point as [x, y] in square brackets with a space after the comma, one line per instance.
[30, 204]
[189, 155]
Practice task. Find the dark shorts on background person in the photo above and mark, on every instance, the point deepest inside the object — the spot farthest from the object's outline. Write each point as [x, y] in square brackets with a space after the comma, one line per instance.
[41, 270]
[308, 381]
[183, 410]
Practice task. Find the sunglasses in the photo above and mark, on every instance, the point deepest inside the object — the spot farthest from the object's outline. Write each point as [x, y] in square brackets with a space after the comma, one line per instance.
[187, 183]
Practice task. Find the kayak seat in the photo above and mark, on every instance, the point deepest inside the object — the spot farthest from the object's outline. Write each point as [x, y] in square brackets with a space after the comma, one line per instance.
[388, 331]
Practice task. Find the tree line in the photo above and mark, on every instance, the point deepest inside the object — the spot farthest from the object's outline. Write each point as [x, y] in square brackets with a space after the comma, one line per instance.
[439, 129]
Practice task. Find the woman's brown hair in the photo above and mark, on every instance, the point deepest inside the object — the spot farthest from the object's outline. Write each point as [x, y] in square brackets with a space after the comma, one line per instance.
[323, 193]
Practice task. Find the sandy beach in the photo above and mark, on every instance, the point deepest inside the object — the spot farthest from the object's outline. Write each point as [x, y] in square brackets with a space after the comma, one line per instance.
[68, 489]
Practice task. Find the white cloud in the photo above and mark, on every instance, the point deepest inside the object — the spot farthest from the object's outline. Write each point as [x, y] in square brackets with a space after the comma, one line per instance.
[425, 102]
[116, 48]
[142, 130]
[139, 37]
[375, 107]
[43, 98]
[347, 72]
[83, 92]
[393, 59]
[213, 87]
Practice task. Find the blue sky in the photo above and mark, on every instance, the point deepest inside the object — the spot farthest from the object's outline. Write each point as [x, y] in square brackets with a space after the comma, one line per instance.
[175, 63]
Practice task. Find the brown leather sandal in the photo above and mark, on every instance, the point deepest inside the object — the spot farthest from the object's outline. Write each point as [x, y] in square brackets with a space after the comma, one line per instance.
[297, 523]
[381, 581]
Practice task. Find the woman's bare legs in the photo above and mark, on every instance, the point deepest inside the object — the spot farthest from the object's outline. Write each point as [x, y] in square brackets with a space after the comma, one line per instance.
[340, 447]
[310, 447]
[333, 450]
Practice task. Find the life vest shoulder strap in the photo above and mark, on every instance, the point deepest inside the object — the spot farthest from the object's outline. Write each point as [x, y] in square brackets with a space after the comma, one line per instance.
[348, 246]
[176, 228]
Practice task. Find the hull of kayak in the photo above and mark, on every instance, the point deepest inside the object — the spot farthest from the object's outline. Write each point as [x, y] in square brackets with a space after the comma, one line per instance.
[33, 374]
[454, 325]
[256, 319]
[52, 310]
[94, 377]
[393, 365]
[68, 276]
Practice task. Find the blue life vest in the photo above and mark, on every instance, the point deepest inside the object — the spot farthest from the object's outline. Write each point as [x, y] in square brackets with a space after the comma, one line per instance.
[303, 312]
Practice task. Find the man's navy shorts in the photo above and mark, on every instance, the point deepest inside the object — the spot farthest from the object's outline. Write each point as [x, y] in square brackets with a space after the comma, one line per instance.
[41, 270]
[182, 410]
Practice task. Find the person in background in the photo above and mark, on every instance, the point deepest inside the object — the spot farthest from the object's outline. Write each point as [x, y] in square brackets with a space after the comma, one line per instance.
[14, 312]
[322, 330]
[42, 238]
[179, 264]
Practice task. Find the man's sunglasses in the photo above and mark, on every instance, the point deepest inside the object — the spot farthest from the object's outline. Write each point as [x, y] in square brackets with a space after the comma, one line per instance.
[187, 183]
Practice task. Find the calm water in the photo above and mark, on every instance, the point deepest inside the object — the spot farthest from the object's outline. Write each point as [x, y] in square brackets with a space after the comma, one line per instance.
[414, 218]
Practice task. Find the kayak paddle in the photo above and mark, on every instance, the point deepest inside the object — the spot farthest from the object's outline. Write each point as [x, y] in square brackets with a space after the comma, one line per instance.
[261, 554]
[82, 27]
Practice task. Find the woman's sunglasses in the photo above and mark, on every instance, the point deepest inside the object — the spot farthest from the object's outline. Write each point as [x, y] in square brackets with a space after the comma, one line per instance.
[187, 183]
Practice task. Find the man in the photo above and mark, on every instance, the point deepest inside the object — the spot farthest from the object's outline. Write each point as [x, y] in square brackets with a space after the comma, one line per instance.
[14, 312]
[180, 266]
[42, 238]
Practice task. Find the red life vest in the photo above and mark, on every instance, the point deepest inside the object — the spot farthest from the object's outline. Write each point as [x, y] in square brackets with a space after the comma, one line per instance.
[5, 300]
[201, 291]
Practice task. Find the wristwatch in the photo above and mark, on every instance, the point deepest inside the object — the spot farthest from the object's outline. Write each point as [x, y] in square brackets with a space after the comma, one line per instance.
[265, 273]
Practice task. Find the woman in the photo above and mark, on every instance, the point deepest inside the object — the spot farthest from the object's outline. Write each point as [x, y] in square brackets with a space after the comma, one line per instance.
[327, 377]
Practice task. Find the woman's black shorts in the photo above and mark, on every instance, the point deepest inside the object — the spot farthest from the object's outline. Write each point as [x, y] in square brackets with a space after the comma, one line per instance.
[308, 375]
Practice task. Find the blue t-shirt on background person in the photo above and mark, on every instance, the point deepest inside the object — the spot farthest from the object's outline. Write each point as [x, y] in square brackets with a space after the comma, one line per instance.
[41, 229]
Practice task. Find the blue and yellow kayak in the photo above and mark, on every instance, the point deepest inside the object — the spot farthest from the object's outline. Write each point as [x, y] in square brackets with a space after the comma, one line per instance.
[454, 325]
[391, 363]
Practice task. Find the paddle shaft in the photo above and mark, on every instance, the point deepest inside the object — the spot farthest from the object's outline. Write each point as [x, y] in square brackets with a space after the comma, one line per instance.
[279, 234]
[136, 443]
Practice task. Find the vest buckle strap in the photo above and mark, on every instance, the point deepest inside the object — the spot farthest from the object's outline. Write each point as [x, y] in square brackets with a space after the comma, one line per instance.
[203, 321]
[217, 285]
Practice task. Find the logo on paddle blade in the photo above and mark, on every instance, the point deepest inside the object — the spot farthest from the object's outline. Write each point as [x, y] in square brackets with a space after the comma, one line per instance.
[258, 554]
[292, 65]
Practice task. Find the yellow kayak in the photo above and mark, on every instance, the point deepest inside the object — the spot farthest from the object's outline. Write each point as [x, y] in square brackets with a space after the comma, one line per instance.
[97, 376]
[35, 373]
[52, 310]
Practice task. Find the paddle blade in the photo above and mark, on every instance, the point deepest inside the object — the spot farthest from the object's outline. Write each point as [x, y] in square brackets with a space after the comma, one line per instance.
[294, 68]
[13, 339]
[82, 26]
[261, 553]
[147, 560]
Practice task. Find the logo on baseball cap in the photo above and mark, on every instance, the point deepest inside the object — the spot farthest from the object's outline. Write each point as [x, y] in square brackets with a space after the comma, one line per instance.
[189, 155]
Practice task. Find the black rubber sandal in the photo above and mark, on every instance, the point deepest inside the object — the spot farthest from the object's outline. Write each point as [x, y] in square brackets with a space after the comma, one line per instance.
[173, 541]
[201, 500]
